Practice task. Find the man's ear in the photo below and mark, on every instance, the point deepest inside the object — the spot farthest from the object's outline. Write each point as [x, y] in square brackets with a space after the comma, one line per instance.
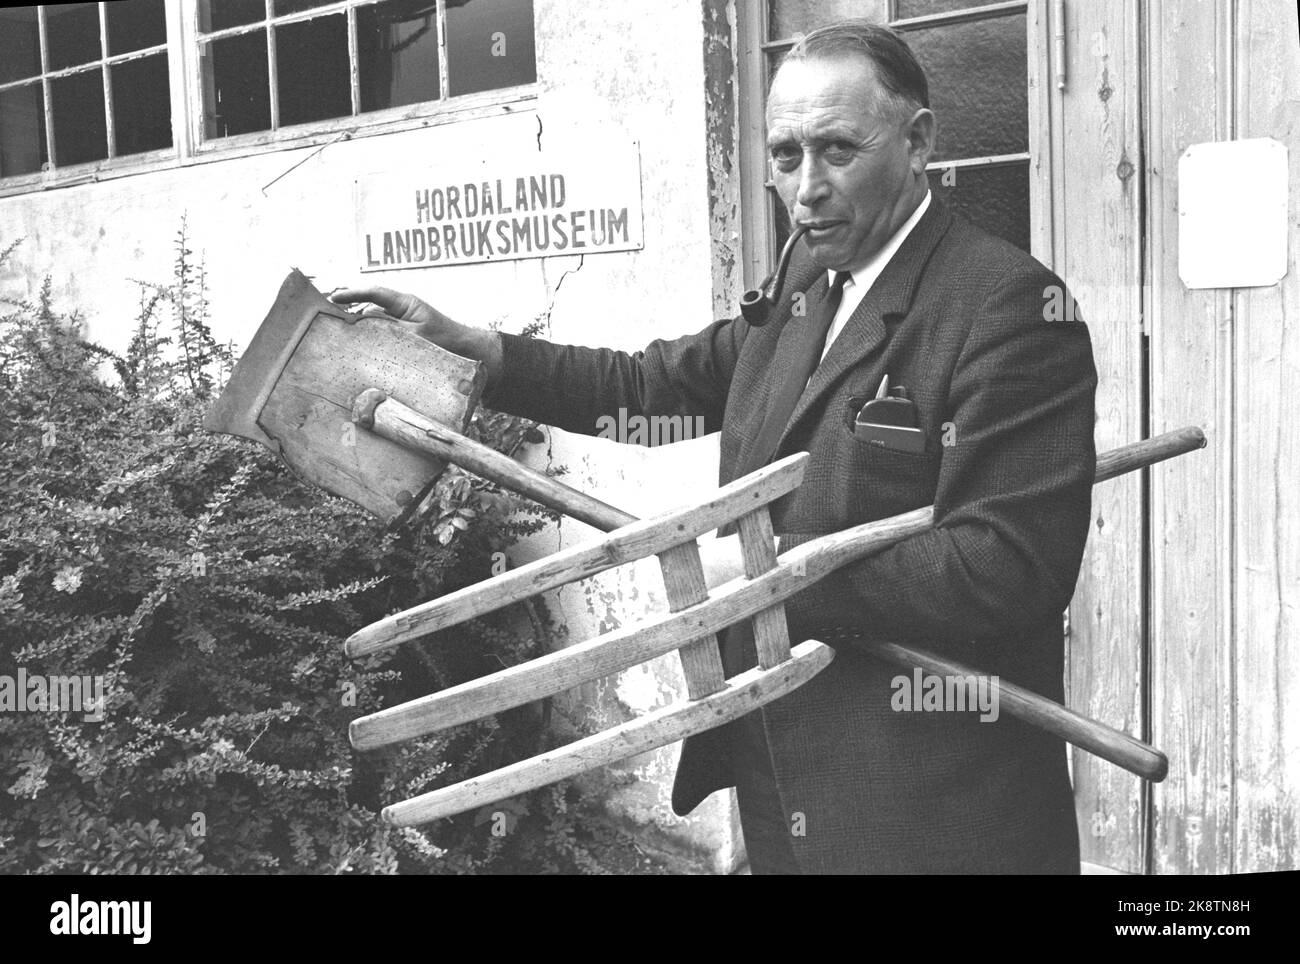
[920, 131]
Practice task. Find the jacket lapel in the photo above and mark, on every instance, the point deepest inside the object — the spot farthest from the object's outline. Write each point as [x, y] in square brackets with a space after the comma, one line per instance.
[866, 329]
[810, 280]
[786, 355]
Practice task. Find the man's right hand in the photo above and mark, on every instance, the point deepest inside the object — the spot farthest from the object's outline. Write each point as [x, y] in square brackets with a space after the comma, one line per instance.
[429, 323]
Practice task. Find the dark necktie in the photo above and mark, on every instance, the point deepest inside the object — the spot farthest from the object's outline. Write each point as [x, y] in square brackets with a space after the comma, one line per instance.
[811, 342]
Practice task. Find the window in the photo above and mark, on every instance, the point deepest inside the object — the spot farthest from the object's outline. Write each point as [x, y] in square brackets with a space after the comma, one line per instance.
[268, 64]
[976, 59]
[91, 87]
[82, 82]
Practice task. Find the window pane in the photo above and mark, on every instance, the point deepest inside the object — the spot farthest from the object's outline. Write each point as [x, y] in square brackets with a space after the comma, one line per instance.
[790, 17]
[20, 43]
[489, 45]
[312, 66]
[220, 14]
[995, 198]
[919, 8]
[978, 85]
[72, 32]
[142, 111]
[135, 24]
[22, 130]
[80, 134]
[281, 7]
[236, 85]
[397, 46]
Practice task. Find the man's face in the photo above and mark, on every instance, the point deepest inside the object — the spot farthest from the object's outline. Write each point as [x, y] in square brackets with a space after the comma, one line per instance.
[840, 165]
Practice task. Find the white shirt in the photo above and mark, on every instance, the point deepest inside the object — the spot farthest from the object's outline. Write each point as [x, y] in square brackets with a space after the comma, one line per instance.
[861, 279]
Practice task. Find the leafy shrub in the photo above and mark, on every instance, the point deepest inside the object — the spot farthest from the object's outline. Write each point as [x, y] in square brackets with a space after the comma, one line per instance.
[212, 591]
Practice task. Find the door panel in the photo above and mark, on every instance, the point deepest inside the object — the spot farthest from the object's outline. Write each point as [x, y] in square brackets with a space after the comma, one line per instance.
[1097, 251]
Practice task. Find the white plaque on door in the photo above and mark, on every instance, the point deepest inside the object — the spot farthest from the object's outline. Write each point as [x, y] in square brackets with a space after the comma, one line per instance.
[1232, 208]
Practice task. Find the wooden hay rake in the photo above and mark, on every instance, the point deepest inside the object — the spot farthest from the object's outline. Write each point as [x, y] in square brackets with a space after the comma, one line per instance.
[694, 616]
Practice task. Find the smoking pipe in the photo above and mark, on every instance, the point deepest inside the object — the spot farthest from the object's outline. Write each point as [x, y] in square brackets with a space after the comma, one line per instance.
[757, 303]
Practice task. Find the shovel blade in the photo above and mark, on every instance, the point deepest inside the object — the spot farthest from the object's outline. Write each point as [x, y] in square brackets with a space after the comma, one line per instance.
[293, 389]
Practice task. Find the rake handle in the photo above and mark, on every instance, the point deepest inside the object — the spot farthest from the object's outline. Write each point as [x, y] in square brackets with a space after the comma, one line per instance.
[1098, 739]
[373, 410]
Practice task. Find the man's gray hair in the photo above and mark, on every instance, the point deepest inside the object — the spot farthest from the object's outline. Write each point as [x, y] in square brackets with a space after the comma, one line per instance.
[897, 69]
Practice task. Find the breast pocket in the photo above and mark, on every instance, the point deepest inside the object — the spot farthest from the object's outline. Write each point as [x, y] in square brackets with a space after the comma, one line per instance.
[888, 482]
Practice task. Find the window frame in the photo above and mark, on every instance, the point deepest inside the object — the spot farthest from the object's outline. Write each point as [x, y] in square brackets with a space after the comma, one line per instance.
[103, 64]
[189, 147]
[758, 237]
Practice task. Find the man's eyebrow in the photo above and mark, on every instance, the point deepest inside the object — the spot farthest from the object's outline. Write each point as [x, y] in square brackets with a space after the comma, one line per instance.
[834, 132]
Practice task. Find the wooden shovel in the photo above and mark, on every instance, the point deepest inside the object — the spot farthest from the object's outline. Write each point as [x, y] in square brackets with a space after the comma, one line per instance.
[294, 385]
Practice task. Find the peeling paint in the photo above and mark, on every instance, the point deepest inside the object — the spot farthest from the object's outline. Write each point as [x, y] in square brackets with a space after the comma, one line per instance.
[721, 140]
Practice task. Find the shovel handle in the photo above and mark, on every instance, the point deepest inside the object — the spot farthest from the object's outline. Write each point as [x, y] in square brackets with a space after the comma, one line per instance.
[375, 411]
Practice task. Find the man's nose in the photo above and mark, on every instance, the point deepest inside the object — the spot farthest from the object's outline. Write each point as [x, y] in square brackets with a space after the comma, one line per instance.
[812, 181]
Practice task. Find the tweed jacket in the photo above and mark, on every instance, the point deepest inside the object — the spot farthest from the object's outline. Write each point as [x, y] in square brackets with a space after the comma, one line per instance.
[1006, 399]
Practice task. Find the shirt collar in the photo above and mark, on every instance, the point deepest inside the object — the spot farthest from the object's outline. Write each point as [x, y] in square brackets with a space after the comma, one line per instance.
[865, 275]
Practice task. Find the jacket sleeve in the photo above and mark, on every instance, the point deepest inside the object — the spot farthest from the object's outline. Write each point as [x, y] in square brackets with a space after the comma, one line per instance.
[572, 387]
[1013, 498]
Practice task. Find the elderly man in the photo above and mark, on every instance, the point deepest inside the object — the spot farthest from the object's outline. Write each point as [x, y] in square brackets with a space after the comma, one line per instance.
[890, 289]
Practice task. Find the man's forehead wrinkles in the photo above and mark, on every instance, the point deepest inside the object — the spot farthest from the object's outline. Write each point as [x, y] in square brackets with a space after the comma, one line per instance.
[812, 129]
[805, 116]
[849, 107]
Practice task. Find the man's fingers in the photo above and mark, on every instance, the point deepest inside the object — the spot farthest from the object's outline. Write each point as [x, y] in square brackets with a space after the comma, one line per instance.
[386, 298]
[395, 304]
